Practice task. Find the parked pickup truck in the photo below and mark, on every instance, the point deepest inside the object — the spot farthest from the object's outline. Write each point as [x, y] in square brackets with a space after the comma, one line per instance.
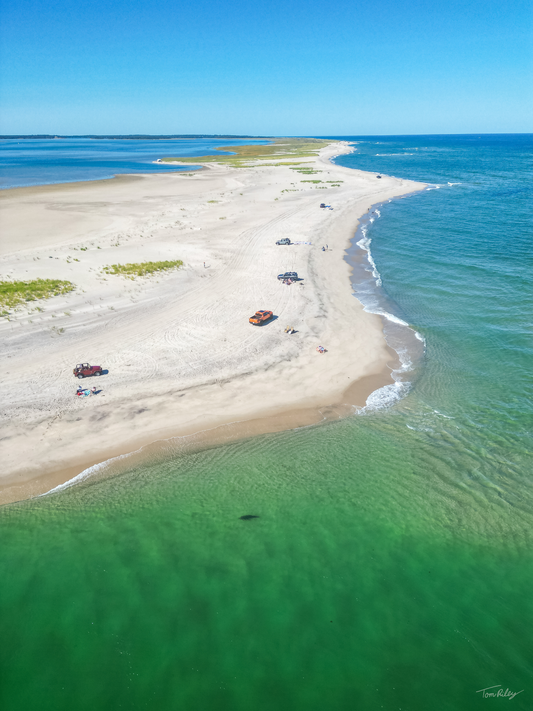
[83, 370]
[285, 240]
[260, 317]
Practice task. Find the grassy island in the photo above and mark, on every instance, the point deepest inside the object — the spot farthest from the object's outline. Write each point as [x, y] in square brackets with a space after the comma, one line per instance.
[243, 156]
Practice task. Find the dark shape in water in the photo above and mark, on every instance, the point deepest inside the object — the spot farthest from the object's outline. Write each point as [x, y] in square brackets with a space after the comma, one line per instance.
[248, 517]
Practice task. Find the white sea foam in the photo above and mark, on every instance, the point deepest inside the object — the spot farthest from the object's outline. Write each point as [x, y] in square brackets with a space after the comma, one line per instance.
[375, 273]
[392, 318]
[86, 473]
[393, 155]
[364, 243]
[385, 397]
[454, 184]
[388, 395]
[396, 319]
[406, 364]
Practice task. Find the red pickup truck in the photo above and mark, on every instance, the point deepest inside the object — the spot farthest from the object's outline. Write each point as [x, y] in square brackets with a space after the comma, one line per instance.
[83, 370]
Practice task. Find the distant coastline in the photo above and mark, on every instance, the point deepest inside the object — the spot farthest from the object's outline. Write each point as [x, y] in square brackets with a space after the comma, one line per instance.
[131, 137]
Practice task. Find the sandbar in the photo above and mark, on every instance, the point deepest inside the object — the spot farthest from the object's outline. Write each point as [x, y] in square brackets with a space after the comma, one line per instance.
[180, 356]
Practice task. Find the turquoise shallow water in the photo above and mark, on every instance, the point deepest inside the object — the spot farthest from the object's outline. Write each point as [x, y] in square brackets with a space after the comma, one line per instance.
[390, 566]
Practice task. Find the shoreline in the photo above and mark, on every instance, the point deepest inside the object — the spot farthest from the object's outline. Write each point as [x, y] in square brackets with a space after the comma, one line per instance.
[80, 183]
[172, 444]
[243, 419]
[153, 450]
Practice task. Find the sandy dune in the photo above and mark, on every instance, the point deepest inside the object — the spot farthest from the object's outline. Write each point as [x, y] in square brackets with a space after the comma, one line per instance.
[180, 354]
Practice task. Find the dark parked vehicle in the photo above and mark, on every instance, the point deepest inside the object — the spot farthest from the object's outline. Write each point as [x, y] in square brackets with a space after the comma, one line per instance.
[285, 240]
[323, 204]
[288, 275]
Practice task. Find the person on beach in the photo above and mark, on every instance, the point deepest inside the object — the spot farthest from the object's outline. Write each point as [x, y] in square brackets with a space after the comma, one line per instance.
[93, 390]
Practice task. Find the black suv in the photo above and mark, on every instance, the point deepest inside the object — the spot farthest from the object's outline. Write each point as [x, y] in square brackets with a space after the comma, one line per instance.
[288, 275]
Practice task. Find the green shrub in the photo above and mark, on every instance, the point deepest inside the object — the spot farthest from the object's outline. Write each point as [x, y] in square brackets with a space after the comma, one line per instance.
[14, 293]
[142, 268]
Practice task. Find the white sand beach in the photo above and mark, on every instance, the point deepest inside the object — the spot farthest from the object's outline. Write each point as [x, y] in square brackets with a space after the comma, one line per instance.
[180, 355]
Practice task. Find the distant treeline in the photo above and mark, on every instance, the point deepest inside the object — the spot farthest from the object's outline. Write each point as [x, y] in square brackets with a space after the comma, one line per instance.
[140, 136]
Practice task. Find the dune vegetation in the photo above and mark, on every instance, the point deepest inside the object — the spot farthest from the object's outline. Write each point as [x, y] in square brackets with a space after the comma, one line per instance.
[141, 269]
[15, 293]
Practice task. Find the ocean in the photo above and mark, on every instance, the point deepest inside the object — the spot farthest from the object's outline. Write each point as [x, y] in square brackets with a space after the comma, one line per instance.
[388, 564]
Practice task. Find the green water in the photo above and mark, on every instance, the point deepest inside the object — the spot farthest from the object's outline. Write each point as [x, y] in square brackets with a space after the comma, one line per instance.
[390, 566]
[375, 584]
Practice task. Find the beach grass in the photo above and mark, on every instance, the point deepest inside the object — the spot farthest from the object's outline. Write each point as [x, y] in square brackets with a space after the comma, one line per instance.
[306, 171]
[275, 165]
[140, 269]
[15, 293]
[243, 156]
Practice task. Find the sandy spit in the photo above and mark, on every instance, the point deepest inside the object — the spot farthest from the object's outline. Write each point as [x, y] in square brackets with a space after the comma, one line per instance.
[181, 358]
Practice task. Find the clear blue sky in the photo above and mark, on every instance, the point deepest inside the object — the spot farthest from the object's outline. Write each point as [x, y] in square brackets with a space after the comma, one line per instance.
[268, 67]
